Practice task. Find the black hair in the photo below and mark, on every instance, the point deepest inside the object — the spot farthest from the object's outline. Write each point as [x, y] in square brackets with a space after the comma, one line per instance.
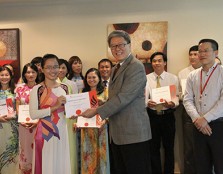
[193, 48]
[11, 82]
[214, 44]
[24, 71]
[71, 61]
[105, 60]
[36, 60]
[156, 54]
[65, 62]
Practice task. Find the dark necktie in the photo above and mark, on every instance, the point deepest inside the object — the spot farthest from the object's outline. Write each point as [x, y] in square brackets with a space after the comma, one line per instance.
[116, 70]
[105, 83]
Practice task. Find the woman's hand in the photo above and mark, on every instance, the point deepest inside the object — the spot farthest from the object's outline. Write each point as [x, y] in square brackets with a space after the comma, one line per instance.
[3, 119]
[29, 125]
[60, 102]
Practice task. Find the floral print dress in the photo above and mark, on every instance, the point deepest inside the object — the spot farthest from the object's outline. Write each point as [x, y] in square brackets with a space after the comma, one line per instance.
[26, 136]
[9, 146]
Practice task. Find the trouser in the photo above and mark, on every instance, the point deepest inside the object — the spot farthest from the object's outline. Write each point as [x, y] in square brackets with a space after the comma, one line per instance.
[188, 134]
[163, 130]
[208, 149]
[131, 158]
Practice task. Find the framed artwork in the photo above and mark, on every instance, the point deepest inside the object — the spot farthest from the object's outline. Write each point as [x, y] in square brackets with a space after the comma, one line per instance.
[10, 49]
[146, 38]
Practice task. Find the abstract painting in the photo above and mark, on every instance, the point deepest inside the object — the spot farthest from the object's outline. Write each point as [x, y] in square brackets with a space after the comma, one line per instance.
[10, 49]
[146, 38]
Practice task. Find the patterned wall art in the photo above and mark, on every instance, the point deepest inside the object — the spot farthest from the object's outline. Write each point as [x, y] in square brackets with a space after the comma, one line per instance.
[10, 49]
[146, 38]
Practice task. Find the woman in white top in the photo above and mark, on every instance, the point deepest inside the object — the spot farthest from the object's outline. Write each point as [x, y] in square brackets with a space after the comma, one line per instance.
[51, 146]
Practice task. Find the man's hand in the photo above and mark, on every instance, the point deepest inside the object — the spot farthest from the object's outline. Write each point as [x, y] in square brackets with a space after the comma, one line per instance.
[169, 104]
[89, 113]
[151, 104]
[202, 125]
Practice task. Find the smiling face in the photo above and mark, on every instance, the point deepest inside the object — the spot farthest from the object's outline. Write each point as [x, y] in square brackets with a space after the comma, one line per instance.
[194, 59]
[30, 75]
[120, 48]
[92, 80]
[158, 64]
[51, 69]
[105, 70]
[5, 77]
[63, 71]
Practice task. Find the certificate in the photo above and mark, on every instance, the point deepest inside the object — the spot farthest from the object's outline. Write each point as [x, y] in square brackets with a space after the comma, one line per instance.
[168, 93]
[183, 85]
[78, 103]
[6, 108]
[3, 108]
[24, 116]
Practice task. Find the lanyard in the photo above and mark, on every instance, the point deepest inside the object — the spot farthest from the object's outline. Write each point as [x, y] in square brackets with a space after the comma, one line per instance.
[202, 89]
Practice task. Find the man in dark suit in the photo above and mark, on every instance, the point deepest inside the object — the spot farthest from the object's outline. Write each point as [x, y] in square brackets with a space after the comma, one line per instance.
[128, 120]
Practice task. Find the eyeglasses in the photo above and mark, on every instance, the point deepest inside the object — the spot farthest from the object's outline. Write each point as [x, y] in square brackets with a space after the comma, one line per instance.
[205, 51]
[49, 68]
[120, 46]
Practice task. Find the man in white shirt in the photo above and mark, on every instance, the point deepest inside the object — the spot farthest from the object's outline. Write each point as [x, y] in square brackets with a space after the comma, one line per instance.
[105, 67]
[189, 161]
[203, 102]
[161, 116]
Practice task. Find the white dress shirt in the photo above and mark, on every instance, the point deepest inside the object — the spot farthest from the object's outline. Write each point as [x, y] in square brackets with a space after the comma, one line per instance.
[166, 79]
[183, 74]
[211, 102]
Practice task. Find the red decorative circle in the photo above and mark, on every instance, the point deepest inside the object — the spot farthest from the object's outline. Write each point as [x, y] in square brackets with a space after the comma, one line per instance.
[27, 119]
[78, 111]
[161, 100]
[86, 124]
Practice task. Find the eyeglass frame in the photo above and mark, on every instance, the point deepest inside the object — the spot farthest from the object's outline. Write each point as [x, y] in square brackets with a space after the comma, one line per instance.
[50, 68]
[120, 46]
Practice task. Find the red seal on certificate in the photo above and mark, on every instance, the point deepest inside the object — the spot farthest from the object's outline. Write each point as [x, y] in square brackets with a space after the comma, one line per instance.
[161, 100]
[86, 124]
[78, 111]
[27, 119]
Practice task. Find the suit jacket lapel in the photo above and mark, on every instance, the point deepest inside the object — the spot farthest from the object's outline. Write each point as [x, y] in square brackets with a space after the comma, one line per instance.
[122, 68]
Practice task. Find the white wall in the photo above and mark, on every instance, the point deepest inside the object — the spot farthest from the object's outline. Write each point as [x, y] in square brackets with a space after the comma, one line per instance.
[79, 28]
[69, 28]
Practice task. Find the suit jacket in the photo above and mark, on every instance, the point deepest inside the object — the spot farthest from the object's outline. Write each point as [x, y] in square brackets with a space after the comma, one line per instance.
[128, 119]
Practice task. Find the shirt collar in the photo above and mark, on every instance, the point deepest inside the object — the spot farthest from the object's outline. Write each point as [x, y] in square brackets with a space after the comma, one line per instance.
[210, 69]
[162, 76]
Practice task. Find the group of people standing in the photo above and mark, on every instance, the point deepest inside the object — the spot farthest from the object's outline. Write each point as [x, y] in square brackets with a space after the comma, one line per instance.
[133, 124]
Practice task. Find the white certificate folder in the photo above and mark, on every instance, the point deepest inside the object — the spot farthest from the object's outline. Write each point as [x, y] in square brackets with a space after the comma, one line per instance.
[168, 93]
[78, 103]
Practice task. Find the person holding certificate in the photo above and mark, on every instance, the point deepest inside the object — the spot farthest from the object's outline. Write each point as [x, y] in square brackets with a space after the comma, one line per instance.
[94, 141]
[129, 126]
[161, 112]
[47, 99]
[9, 143]
[26, 129]
[72, 89]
